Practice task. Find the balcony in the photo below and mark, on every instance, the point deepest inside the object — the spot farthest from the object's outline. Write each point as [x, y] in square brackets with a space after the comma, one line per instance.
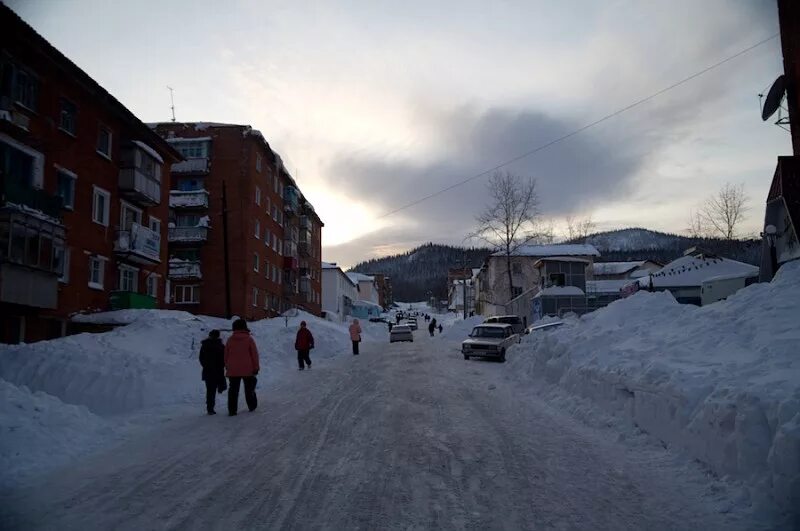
[22, 194]
[291, 200]
[305, 285]
[138, 187]
[305, 223]
[184, 269]
[188, 234]
[304, 248]
[125, 300]
[28, 287]
[139, 244]
[192, 166]
[190, 199]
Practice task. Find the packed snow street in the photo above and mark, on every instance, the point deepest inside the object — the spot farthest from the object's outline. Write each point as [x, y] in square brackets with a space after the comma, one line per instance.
[406, 435]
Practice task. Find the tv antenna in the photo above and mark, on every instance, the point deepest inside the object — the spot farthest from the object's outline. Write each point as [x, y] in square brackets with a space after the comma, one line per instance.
[172, 102]
[772, 103]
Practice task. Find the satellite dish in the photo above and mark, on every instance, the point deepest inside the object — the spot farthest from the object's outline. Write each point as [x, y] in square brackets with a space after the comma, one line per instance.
[774, 97]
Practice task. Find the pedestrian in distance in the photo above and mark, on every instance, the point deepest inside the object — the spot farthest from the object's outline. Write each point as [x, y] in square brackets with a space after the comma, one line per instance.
[432, 326]
[241, 363]
[355, 335]
[303, 343]
[440, 328]
[212, 359]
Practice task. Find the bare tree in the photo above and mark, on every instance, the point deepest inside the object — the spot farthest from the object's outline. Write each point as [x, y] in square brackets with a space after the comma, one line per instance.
[578, 229]
[723, 213]
[697, 225]
[510, 219]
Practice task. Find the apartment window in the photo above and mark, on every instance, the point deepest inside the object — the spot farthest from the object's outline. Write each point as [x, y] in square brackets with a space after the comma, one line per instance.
[26, 88]
[258, 195]
[516, 268]
[255, 296]
[266, 269]
[154, 224]
[190, 184]
[128, 279]
[276, 184]
[280, 218]
[274, 274]
[61, 263]
[516, 291]
[97, 267]
[66, 188]
[67, 116]
[275, 242]
[129, 215]
[187, 220]
[152, 285]
[255, 262]
[192, 149]
[267, 237]
[258, 163]
[186, 294]
[274, 212]
[269, 205]
[104, 142]
[100, 206]
[280, 276]
[257, 231]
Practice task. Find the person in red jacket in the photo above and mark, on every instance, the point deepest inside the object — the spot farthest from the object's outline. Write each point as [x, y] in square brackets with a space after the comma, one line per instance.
[241, 363]
[303, 344]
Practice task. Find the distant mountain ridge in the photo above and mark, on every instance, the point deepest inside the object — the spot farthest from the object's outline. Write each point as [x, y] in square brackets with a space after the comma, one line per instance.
[421, 272]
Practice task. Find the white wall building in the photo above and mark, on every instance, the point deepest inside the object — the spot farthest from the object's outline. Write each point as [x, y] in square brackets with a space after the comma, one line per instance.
[367, 290]
[339, 292]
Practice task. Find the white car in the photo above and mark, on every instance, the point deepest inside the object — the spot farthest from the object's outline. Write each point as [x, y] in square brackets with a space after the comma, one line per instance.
[489, 341]
[401, 333]
[411, 323]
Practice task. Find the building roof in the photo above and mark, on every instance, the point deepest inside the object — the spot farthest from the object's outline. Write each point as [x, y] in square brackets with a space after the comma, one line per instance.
[575, 259]
[561, 291]
[13, 25]
[607, 286]
[560, 249]
[615, 268]
[692, 270]
[359, 277]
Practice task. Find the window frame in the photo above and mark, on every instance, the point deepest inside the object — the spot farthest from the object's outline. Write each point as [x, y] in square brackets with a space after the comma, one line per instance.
[194, 291]
[157, 223]
[256, 262]
[122, 271]
[101, 260]
[258, 196]
[61, 113]
[151, 277]
[101, 128]
[255, 297]
[257, 231]
[61, 171]
[97, 191]
[125, 206]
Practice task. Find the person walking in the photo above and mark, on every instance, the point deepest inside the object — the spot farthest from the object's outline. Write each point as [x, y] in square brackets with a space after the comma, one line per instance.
[241, 363]
[432, 326]
[440, 328]
[303, 343]
[212, 359]
[355, 335]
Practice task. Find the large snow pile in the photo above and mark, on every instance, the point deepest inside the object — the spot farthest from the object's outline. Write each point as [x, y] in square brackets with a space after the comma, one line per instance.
[460, 329]
[721, 382]
[61, 398]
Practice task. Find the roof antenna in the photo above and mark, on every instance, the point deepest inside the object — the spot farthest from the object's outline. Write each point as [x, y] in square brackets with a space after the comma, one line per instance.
[172, 102]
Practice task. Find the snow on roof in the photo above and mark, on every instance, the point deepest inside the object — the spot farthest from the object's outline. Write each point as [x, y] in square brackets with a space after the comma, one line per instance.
[38, 214]
[615, 268]
[150, 151]
[554, 250]
[179, 139]
[607, 286]
[359, 277]
[328, 265]
[561, 259]
[561, 291]
[691, 271]
[366, 303]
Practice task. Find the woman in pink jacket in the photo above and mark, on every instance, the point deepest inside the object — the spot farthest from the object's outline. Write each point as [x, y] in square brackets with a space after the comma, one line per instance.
[355, 335]
[241, 363]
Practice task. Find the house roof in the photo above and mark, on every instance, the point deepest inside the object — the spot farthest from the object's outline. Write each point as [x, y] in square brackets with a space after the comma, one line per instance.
[359, 277]
[561, 291]
[615, 268]
[561, 249]
[692, 270]
[561, 259]
[607, 286]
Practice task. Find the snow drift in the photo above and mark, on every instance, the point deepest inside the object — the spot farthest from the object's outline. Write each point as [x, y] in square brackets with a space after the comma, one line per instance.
[721, 382]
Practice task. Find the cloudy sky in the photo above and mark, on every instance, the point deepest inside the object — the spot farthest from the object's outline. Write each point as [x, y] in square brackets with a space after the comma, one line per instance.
[375, 104]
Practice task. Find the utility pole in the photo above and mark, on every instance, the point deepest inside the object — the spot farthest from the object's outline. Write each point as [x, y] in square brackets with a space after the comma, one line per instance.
[225, 252]
[464, 281]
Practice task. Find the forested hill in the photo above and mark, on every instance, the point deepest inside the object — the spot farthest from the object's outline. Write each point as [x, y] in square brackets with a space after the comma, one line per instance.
[422, 270]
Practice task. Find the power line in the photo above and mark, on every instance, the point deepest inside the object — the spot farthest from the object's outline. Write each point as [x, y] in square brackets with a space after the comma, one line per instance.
[584, 128]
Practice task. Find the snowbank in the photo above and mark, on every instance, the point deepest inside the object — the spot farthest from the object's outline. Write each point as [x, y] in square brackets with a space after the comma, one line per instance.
[38, 430]
[62, 398]
[459, 330]
[721, 382]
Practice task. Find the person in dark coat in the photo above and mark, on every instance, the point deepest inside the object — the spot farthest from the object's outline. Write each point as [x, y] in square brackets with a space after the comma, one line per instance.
[303, 344]
[432, 326]
[212, 359]
[440, 328]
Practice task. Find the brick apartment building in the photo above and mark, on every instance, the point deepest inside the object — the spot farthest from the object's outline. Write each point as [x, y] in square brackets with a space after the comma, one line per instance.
[274, 237]
[84, 193]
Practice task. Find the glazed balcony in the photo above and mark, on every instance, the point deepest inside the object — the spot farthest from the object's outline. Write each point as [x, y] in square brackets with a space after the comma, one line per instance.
[138, 187]
[194, 199]
[188, 234]
[184, 269]
[138, 244]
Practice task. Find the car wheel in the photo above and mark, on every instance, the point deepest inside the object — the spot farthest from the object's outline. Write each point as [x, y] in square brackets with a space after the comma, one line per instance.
[502, 356]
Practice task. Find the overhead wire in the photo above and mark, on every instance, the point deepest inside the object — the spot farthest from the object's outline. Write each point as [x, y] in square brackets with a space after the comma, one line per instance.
[550, 143]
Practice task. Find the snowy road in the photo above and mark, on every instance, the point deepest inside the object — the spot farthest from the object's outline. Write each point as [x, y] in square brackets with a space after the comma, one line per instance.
[405, 436]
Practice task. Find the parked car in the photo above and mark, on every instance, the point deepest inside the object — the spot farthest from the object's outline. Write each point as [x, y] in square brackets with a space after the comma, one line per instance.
[548, 326]
[513, 320]
[489, 340]
[401, 333]
[412, 322]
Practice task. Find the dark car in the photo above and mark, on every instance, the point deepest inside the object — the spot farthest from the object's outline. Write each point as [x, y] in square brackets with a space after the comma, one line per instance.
[513, 320]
